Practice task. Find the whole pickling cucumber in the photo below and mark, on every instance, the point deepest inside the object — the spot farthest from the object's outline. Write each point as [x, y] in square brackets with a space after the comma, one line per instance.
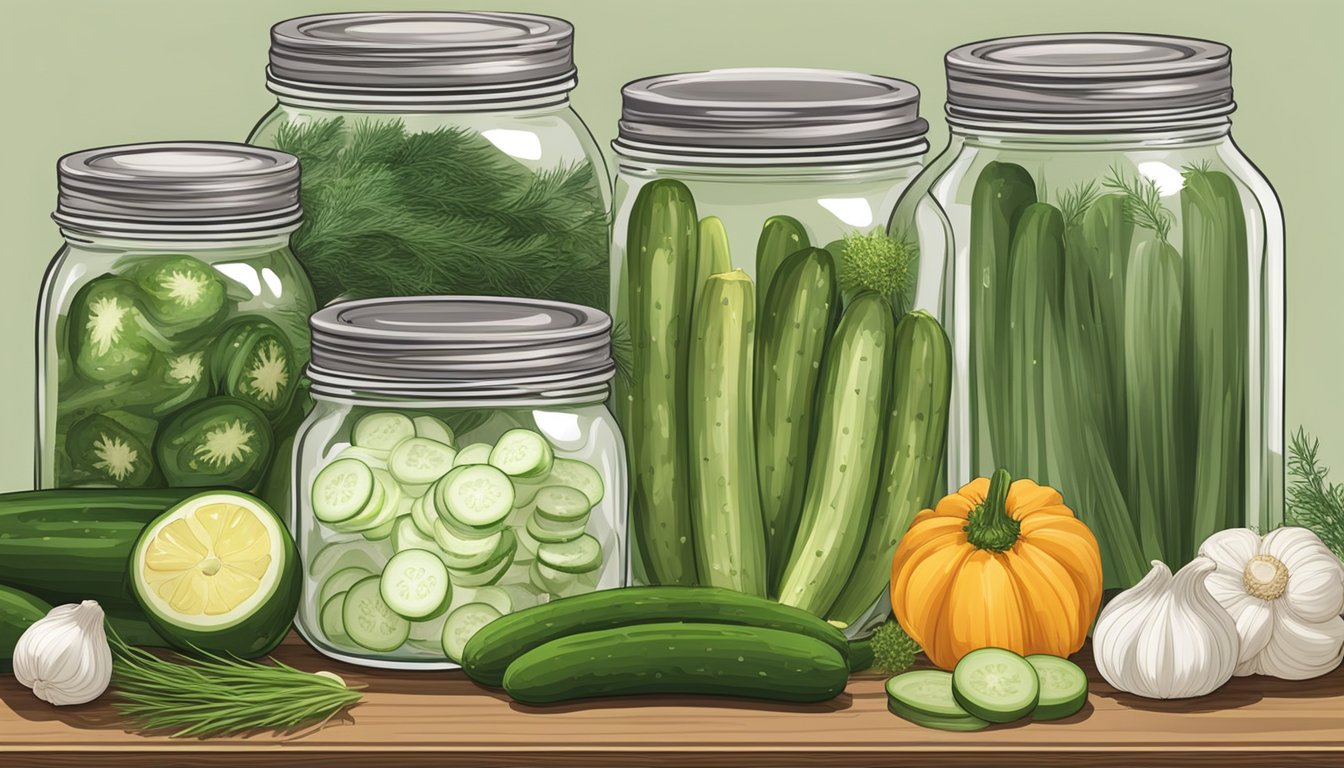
[846, 457]
[798, 320]
[715, 256]
[661, 253]
[707, 659]
[725, 502]
[916, 442]
[781, 237]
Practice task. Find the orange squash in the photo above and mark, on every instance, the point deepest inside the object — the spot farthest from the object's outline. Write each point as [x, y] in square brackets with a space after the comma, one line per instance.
[998, 563]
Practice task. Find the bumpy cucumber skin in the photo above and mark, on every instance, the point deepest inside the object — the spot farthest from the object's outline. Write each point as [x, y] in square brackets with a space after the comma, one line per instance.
[846, 458]
[661, 264]
[725, 502]
[18, 611]
[797, 322]
[498, 644]
[707, 659]
[860, 655]
[916, 443]
[781, 237]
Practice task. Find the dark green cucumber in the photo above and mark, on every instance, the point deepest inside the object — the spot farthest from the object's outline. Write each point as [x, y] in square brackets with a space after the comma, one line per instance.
[1002, 192]
[916, 441]
[18, 611]
[661, 256]
[798, 320]
[725, 502]
[846, 457]
[65, 546]
[491, 650]
[781, 237]
[861, 655]
[1216, 326]
[705, 659]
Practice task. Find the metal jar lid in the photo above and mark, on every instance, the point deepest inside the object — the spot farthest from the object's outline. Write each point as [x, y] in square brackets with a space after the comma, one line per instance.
[421, 55]
[769, 112]
[461, 348]
[1107, 79]
[208, 190]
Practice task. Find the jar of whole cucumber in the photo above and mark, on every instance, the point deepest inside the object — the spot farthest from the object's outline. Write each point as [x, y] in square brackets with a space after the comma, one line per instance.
[172, 325]
[1113, 282]
[460, 463]
[474, 174]
[757, 301]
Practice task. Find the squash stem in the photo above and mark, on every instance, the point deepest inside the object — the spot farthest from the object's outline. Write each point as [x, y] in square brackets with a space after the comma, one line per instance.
[989, 526]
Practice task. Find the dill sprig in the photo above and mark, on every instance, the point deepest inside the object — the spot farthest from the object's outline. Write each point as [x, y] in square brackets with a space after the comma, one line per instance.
[878, 262]
[1314, 503]
[215, 696]
[1073, 203]
[893, 650]
[1143, 202]
[623, 352]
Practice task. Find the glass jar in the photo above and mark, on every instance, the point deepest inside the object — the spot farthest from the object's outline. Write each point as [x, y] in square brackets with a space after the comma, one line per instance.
[475, 175]
[459, 463]
[1110, 268]
[172, 325]
[740, 171]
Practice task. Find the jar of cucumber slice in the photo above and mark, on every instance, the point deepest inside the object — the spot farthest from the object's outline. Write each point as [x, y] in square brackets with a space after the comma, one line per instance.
[460, 463]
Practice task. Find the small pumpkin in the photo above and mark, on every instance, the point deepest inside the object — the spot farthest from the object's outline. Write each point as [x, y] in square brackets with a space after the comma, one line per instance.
[998, 563]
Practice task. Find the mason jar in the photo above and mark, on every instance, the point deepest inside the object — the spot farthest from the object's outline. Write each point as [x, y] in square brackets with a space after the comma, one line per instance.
[741, 193]
[473, 174]
[1110, 268]
[172, 325]
[459, 464]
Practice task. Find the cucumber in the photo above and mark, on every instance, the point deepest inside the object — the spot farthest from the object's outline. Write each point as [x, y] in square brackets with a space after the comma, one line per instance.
[715, 256]
[462, 624]
[550, 580]
[710, 659]
[498, 598]
[420, 461]
[995, 685]
[379, 532]
[433, 429]
[846, 459]
[491, 652]
[577, 474]
[476, 453]
[464, 552]
[382, 430]
[406, 535]
[331, 619]
[661, 261]
[549, 531]
[926, 692]
[956, 724]
[18, 611]
[861, 655]
[729, 536]
[381, 510]
[475, 495]
[562, 504]
[1063, 687]
[374, 459]
[797, 321]
[492, 571]
[781, 237]
[369, 621]
[581, 555]
[522, 453]
[525, 489]
[915, 452]
[341, 581]
[340, 555]
[415, 584]
[423, 515]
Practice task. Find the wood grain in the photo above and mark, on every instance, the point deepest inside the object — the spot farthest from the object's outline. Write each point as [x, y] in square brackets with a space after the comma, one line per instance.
[440, 718]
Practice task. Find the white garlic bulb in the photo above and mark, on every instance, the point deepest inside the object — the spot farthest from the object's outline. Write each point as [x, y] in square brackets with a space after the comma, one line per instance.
[1166, 637]
[64, 656]
[1285, 592]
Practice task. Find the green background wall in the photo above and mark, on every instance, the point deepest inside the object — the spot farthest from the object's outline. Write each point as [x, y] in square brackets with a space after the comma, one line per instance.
[84, 73]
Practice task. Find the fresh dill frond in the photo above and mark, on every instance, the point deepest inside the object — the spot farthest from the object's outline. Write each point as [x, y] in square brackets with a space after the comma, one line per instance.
[1143, 202]
[623, 352]
[1203, 166]
[1073, 203]
[893, 650]
[878, 262]
[1313, 502]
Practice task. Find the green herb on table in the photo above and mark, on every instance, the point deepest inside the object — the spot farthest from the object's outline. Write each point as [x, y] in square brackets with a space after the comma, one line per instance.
[1314, 503]
[893, 650]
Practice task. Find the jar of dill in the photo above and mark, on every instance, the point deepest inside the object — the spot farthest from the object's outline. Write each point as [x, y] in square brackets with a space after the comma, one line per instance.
[440, 155]
[1112, 277]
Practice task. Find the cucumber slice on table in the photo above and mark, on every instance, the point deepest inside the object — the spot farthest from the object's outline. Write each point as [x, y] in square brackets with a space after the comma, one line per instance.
[1063, 687]
[415, 584]
[995, 685]
[434, 429]
[924, 697]
[330, 619]
[382, 430]
[476, 453]
[577, 474]
[476, 495]
[340, 581]
[420, 461]
[581, 555]
[522, 453]
[959, 724]
[341, 490]
[464, 552]
[562, 504]
[370, 621]
[550, 532]
[462, 624]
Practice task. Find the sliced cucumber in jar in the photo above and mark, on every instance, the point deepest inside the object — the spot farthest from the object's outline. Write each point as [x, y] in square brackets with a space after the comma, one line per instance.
[415, 584]
[379, 532]
[462, 625]
[562, 504]
[522, 453]
[476, 453]
[369, 621]
[374, 459]
[550, 532]
[382, 430]
[462, 552]
[549, 580]
[493, 569]
[341, 490]
[476, 495]
[433, 429]
[406, 535]
[577, 474]
[527, 543]
[340, 555]
[581, 555]
[423, 515]
[330, 619]
[420, 461]
[525, 489]
[496, 597]
[341, 581]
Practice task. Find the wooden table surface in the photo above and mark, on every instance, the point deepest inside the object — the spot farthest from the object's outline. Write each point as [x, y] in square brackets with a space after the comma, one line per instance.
[443, 719]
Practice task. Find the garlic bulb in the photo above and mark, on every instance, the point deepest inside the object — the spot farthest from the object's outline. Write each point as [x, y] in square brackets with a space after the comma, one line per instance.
[1166, 637]
[64, 656]
[1285, 592]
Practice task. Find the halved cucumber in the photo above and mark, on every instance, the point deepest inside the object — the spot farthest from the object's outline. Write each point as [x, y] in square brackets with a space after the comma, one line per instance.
[420, 461]
[562, 504]
[341, 581]
[577, 474]
[1063, 687]
[926, 692]
[522, 453]
[370, 621]
[462, 624]
[382, 430]
[464, 552]
[341, 489]
[995, 685]
[434, 429]
[415, 584]
[476, 495]
[581, 555]
[958, 724]
[330, 620]
[476, 453]
[551, 532]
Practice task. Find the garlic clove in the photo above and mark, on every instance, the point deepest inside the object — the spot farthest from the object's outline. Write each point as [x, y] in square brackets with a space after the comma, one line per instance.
[1254, 619]
[1315, 590]
[1231, 549]
[1301, 650]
